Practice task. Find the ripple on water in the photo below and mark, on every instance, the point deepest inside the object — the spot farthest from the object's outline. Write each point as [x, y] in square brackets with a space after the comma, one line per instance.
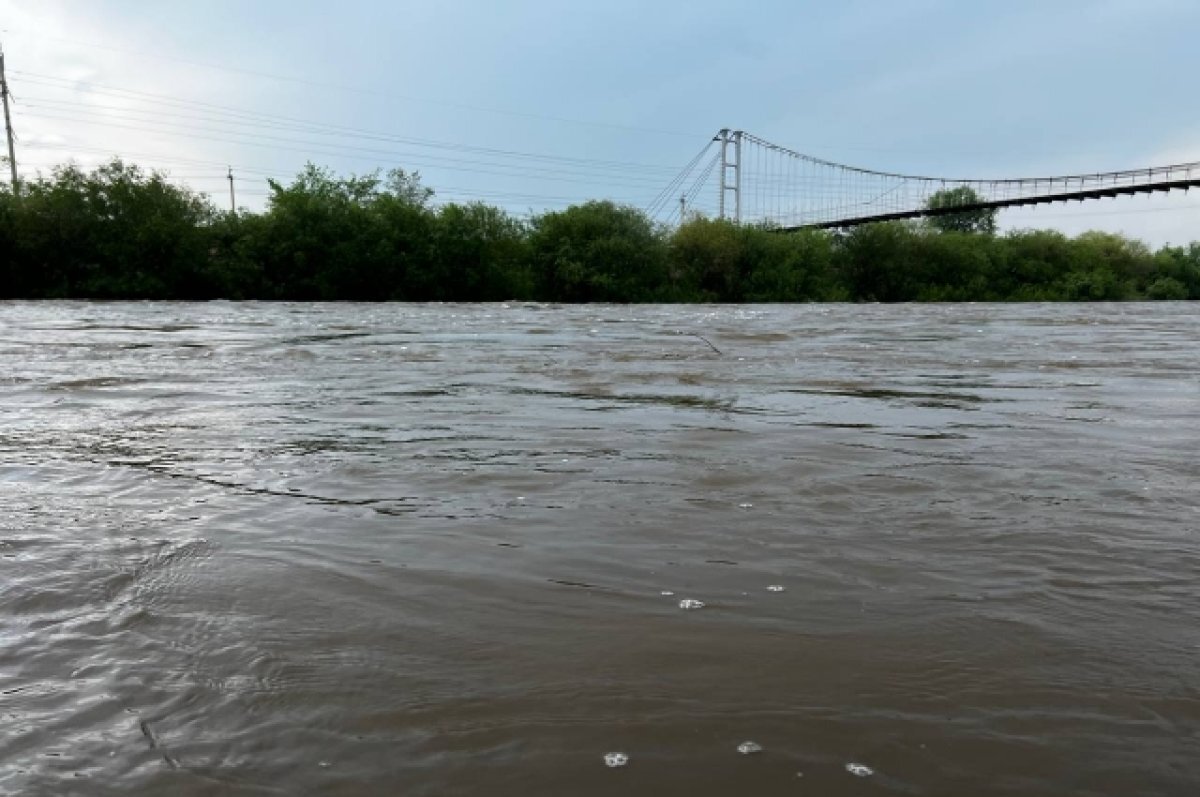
[222, 573]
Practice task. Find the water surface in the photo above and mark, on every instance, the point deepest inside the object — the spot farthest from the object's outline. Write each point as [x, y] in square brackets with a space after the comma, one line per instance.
[423, 549]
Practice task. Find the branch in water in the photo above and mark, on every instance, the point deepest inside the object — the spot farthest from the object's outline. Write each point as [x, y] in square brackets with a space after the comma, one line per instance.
[706, 340]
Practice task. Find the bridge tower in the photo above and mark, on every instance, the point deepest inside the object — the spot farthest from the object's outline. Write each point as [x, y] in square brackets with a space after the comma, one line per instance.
[731, 171]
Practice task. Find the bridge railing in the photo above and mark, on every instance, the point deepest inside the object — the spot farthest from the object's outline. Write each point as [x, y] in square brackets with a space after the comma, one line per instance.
[826, 199]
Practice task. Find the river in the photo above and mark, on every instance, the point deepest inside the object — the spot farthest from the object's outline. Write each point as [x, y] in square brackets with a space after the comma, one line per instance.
[277, 549]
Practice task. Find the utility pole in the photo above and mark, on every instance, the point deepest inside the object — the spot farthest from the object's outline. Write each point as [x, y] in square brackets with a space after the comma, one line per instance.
[682, 209]
[8, 128]
[232, 197]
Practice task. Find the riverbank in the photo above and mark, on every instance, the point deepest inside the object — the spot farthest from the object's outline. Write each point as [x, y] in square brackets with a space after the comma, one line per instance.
[120, 232]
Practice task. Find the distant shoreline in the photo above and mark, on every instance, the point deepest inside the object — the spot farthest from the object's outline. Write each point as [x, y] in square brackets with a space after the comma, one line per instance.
[122, 233]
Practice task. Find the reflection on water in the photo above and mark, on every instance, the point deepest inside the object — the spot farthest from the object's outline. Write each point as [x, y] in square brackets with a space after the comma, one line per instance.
[310, 549]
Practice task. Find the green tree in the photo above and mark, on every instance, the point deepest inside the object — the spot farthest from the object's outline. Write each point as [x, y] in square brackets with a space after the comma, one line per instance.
[707, 261]
[1028, 265]
[120, 232]
[481, 253]
[1106, 266]
[598, 252]
[359, 237]
[235, 266]
[1182, 265]
[953, 267]
[972, 220]
[789, 267]
[114, 232]
[880, 262]
[1167, 288]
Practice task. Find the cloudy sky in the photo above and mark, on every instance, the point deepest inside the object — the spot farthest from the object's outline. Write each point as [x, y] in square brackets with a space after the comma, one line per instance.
[534, 104]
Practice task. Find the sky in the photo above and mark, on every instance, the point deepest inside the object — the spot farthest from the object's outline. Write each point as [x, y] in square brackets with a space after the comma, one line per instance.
[536, 104]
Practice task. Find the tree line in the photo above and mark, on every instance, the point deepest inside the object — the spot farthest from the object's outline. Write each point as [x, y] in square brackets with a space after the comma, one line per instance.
[121, 232]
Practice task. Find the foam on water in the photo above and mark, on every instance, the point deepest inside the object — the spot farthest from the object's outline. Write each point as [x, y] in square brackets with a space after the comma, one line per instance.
[615, 760]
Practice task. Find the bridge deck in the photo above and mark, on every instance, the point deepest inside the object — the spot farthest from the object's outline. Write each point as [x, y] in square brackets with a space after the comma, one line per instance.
[1046, 199]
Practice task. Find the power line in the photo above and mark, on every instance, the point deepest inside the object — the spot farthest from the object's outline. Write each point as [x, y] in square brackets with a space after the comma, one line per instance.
[110, 153]
[54, 109]
[441, 192]
[324, 128]
[372, 92]
[323, 148]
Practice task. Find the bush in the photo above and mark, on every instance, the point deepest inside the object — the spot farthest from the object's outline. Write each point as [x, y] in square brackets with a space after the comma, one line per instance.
[120, 232]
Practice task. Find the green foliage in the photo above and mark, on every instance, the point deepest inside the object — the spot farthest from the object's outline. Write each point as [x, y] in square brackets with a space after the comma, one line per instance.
[359, 238]
[724, 262]
[954, 267]
[979, 220]
[1167, 288]
[121, 232]
[790, 267]
[1029, 263]
[706, 261]
[879, 262]
[1182, 265]
[115, 232]
[598, 252]
[481, 254]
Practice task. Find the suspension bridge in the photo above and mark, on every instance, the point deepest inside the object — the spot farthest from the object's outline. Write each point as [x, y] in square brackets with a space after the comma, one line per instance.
[758, 182]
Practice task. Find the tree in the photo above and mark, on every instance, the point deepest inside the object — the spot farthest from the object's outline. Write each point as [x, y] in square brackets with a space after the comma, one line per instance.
[880, 262]
[707, 260]
[1182, 266]
[480, 254]
[114, 232]
[359, 237]
[789, 267]
[121, 232]
[977, 220]
[598, 252]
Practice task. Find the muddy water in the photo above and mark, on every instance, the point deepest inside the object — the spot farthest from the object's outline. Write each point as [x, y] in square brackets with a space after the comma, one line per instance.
[427, 550]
